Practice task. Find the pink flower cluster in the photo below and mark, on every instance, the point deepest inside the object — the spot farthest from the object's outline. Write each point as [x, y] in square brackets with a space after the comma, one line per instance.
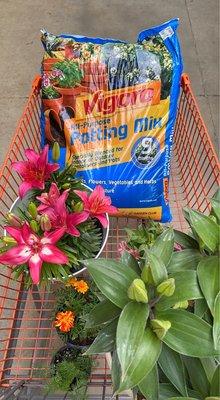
[29, 246]
[45, 81]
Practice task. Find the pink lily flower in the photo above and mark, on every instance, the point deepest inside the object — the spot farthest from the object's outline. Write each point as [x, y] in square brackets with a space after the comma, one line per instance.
[49, 199]
[34, 171]
[59, 216]
[97, 204]
[33, 250]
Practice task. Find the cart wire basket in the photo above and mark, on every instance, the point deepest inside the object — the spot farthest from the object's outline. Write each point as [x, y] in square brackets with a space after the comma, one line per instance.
[27, 337]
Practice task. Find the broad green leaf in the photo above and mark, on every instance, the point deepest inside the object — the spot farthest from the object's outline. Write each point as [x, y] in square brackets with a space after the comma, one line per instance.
[105, 340]
[197, 375]
[183, 398]
[112, 278]
[130, 261]
[145, 358]
[102, 313]
[149, 386]
[209, 366]
[115, 371]
[166, 390]
[186, 241]
[215, 384]
[217, 195]
[215, 209]
[158, 269]
[216, 323]
[209, 279]
[188, 335]
[206, 229]
[130, 330]
[171, 364]
[186, 288]
[163, 246]
[183, 260]
[200, 307]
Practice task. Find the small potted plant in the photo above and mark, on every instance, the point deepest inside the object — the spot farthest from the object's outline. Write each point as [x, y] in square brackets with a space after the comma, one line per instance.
[55, 223]
[73, 303]
[69, 373]
[161, 310]
[67, 82]
[51, 98]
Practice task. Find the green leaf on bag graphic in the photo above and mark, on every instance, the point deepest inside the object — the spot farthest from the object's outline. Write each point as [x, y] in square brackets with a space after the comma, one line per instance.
[186, 288]
[145, 358]
[209, 279]
[186, 241]
[216, 324]
[158, 269]
[206, 229]
[149, 386]
[188, 335]
[172, 366]
[163, 246]
[128, 260]
[197, 375]
[215, 384]
[166, 390]
[200, 307]
[130, 330]
[112, 278]
[115, 371]
[183, 398]
[183, 260]
[103, 312]
[105, 340]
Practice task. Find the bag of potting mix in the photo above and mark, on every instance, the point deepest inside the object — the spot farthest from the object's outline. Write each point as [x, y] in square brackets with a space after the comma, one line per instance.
[111, 106]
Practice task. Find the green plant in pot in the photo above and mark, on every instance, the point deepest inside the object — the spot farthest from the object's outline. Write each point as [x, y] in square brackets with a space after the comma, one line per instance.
[67, 77]
[73, 302]
[147, 313]
[69, 373]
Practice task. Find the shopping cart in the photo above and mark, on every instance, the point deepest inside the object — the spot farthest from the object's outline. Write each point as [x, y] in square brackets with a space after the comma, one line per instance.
[27, 338]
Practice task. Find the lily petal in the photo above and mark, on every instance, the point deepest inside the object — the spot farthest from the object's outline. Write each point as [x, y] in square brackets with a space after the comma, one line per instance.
[35, 264]
[102, 219]
[72, 230]
[77, 218]
[32, 156]
[17, 255]
[51, 253]
[83, 196]
[24, 188]
[53, 237]
[20, 167]
[15, 233]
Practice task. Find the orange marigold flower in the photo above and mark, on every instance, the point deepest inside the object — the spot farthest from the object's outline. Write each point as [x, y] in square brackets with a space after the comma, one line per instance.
[81, 286]
[71, 282]
[64, 320]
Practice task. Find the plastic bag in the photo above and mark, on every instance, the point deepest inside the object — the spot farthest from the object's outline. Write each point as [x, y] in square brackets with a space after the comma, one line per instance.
[112, 108]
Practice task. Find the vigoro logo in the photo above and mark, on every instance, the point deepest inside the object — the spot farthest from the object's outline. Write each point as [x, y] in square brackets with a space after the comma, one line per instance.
[102, 104]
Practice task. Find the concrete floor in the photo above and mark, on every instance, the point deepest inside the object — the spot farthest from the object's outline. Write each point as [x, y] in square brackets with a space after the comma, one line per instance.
[21, 52]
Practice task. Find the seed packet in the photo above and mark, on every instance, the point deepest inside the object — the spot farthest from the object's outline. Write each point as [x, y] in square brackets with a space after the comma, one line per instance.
[111, 106]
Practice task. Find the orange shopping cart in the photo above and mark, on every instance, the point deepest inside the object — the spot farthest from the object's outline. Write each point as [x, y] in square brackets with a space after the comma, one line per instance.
[27, 338]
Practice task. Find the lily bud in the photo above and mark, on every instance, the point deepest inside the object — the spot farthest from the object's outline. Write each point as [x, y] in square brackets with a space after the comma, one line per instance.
[160, 327]
[181, 304]
[34, 226]
[137, 291]
[146, 275]
[9, 240]
[56, 151]
[167, 287]
[45, 223]
[13, 220]
[78, 207]
[66, 186]
[32, 209]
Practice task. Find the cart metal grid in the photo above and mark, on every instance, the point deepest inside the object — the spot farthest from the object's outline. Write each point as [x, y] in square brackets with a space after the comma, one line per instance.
[27, 337]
